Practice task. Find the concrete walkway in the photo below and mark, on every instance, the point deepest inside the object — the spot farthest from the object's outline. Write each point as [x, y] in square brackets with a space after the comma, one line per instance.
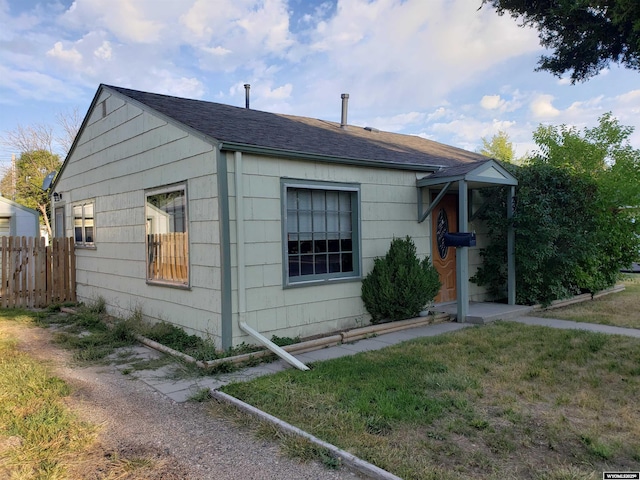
[180, 390]
[570, 325]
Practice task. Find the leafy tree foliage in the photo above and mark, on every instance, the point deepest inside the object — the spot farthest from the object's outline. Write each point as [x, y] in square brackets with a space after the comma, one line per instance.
[602, 153]
[574, 222]
[501, 148]
[400, 285]
[24, 183]
[585, 35]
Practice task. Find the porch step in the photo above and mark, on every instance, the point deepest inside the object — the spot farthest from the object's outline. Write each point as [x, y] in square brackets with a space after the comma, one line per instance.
[483, 312]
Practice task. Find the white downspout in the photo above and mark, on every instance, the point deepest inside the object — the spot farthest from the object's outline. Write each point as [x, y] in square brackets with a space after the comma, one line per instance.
[240, 261]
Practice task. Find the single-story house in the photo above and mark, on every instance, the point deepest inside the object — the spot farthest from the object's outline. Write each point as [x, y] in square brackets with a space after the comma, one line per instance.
[17, 220]
[218, 218]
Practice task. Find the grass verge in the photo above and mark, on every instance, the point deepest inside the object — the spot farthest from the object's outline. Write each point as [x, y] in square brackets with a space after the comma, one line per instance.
[39, 435]
[500, 401]
[617, 309]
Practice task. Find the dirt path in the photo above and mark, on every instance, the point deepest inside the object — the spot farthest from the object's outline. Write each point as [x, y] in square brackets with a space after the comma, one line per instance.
[144, 435]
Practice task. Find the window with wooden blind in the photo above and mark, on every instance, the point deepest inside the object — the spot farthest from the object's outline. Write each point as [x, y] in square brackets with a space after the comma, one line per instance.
[167, 236]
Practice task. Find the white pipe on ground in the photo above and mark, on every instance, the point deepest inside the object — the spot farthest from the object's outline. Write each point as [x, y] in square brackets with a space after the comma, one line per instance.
[286, 356]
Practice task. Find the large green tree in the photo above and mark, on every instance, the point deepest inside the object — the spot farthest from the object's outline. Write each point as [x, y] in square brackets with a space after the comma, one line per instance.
[584, 36]
[575, 217]
[23, 182]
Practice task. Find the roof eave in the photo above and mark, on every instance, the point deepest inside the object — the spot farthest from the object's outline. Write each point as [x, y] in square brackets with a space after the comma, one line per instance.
[297, 155]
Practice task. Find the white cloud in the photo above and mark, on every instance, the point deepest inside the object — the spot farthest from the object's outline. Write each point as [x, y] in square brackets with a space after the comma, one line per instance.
[168, 83]
[471, 131]
[278, 93]
[436, 114]
[240, 30]
[542, 108]
[631, 97]
[104, 51]
[492, 102]
[135, 21]
[33, 85]
[397, 122]
[498, 104]
[68, 56]
[424, 51]
[217, 51]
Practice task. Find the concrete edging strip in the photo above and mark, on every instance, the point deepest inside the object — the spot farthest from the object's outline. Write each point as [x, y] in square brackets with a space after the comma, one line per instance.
[349, 459]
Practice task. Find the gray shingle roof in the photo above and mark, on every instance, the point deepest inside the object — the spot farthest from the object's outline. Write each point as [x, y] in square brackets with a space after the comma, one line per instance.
[459, 169]
[305, 135]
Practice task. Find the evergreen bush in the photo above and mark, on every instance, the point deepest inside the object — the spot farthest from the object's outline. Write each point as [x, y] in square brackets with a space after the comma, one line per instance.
[400, 285]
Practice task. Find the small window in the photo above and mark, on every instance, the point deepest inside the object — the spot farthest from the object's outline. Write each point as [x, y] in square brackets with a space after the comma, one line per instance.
[83, 224]
[5, 226]
[167, 236]
[322, 232]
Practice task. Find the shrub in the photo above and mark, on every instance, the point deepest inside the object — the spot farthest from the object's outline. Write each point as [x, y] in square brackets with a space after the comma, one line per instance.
[565, 241]
[400, 285]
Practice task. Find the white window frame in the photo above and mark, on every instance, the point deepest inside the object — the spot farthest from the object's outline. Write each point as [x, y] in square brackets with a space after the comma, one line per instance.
[86, 221]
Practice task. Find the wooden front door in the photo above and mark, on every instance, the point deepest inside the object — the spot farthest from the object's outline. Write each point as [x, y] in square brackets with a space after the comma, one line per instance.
[444, 218]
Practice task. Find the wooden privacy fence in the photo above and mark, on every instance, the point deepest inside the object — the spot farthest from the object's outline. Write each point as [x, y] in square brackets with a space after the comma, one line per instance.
[35, 275]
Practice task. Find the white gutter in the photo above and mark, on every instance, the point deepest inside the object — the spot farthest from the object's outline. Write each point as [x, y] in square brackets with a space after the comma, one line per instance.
[240, 246]
[240, 260]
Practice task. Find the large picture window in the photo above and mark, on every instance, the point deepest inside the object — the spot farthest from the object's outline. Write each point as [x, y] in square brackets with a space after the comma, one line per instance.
[84, 224]
[322, 231]
[167, 236]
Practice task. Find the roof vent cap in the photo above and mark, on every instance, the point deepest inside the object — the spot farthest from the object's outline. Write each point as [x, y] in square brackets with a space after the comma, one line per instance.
[371, 129]
[343, 119]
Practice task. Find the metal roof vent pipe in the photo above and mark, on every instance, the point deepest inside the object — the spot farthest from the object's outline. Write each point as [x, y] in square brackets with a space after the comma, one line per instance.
[343, 119]
[247, 86]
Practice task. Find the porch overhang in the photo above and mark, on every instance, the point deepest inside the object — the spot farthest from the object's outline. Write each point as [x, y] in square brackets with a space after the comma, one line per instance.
[468, 178]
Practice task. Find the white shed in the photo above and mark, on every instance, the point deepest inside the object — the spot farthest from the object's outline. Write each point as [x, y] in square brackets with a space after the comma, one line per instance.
[17, 220]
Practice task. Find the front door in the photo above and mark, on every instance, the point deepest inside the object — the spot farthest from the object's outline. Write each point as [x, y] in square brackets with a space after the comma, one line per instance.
[444, 218]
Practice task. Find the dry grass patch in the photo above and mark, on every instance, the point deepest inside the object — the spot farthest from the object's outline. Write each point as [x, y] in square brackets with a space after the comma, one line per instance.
[620, 309]
[41, 436]
[500, 401]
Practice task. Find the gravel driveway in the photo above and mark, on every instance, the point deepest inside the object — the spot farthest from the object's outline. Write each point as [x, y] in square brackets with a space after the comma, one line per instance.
[183, 440]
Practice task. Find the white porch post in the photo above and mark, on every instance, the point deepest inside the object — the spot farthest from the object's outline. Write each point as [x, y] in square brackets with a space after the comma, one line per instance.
[462, 255]
[511, 257]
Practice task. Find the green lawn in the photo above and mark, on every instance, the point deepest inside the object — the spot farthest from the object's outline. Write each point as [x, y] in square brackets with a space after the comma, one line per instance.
[493, 402]
[619, 309]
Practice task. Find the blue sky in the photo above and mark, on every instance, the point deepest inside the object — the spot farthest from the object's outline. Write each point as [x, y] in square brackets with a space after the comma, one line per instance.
[442, 69]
